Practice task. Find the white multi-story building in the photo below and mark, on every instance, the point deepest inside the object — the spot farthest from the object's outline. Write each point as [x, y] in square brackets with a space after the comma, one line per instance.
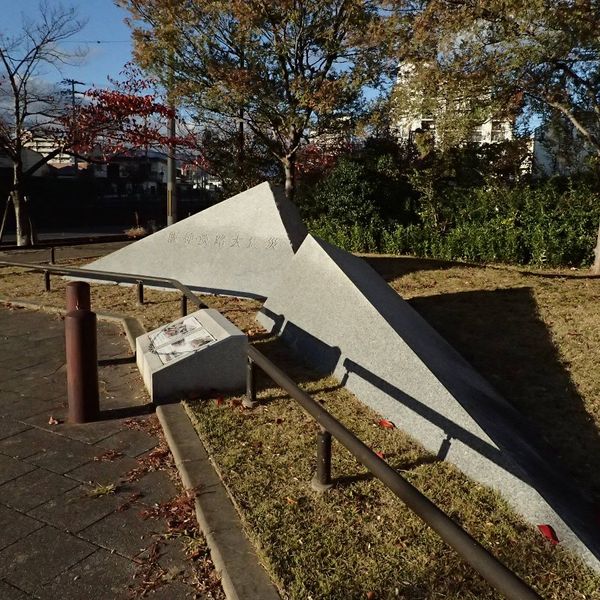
[490, 132]
[413, 118]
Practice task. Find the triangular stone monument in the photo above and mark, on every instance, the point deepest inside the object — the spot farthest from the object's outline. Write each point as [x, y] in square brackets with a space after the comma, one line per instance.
[240, 246]
[337, 313]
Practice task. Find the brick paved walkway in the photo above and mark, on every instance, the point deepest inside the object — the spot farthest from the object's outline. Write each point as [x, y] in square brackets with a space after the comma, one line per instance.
[61, 535]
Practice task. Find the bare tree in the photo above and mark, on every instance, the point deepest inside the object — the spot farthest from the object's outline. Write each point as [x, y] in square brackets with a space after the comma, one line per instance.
[28, 107]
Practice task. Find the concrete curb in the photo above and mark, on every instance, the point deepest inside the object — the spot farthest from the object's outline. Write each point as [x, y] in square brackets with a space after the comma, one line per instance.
[242, 576]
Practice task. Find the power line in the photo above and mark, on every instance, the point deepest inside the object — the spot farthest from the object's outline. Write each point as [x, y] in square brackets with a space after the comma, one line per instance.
[96, 41]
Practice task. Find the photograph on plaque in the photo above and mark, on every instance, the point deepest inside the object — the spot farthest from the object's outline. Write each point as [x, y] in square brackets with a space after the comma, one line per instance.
[177, 340]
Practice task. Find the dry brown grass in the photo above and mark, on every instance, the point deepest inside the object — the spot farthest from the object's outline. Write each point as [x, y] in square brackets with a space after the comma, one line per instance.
[359, 538]
[534, 335]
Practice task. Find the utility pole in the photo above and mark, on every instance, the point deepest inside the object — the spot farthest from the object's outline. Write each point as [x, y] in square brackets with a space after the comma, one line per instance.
[171, 171]
[73, 83]
[171, 156]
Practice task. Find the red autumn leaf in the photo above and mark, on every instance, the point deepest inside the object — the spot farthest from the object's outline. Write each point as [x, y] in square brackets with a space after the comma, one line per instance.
[380, 454]
[371, 596]
[219, 400]
[548, 532]
[385, 424]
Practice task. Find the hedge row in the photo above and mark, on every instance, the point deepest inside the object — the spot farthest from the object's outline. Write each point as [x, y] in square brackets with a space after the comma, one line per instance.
[552, 224]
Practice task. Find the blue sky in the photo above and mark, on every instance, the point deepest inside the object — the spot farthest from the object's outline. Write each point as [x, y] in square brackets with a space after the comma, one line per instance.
[104, 24]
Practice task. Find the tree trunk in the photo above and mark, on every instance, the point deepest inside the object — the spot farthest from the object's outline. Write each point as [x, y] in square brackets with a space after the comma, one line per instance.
[22, 222]
[21, 218]
[289, 165]
[596, 265]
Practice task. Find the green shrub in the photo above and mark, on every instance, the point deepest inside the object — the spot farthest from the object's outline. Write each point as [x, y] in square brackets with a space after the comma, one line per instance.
[345, 196]
[354, 237]
[552, 224]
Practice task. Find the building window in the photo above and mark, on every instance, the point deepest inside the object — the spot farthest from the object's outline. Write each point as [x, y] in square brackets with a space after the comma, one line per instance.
[498, 132]
[427, 125]
[476, 135]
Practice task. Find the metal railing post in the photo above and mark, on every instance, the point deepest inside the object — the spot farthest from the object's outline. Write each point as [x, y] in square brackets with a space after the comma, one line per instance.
[321, 481]
[140, 293]
[52, 257]
[183, 305]
[249, 400]
[47, 281]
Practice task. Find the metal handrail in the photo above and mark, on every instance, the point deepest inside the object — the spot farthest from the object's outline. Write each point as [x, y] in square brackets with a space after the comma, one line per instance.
[487, 565]
[110, 276]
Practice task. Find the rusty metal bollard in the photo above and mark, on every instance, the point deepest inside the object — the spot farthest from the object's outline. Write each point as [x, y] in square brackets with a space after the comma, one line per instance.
[78, 296]
[82, 357]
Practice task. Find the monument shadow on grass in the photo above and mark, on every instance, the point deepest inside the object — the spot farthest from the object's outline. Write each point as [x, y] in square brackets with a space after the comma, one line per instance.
[501, 334]
[392, 267]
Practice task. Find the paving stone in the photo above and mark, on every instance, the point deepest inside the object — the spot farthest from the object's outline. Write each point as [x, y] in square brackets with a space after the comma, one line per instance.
[172, 559]
[131, 442]
[173, 591]
[34, 358]
[29, 378]
[125, 398]
[103, 472]
[8, 396]
[7, 373]
[8, 592]
[10, 427]
[101, 576]
[90, 433]
[34, 488]
[26, 406]
[10, 468]
[155, 487]
[27, 443]
[36, 559]
[13, 526]
[124, 532]
[41, 388]
[76, 509]
[61, 454]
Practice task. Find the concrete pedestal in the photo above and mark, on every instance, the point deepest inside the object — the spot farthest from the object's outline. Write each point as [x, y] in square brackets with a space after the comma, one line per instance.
[197, 353]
